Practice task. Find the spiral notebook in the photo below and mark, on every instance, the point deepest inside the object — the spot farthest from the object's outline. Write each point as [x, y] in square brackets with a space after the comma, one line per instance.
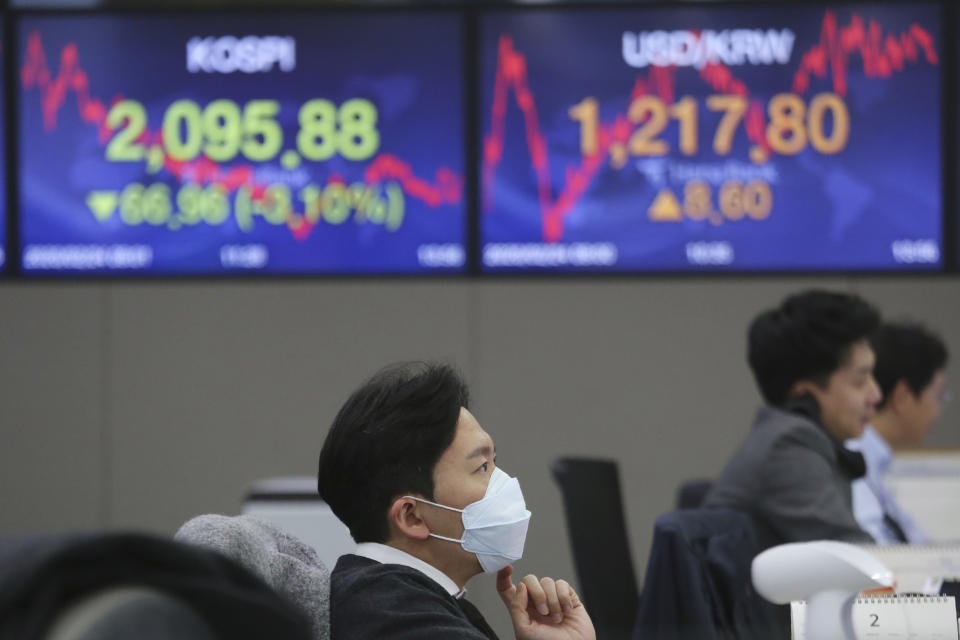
[919, 568]
[893, 617]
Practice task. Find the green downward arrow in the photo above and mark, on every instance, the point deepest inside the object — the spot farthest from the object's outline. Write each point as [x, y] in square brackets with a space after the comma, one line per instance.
[102, 204]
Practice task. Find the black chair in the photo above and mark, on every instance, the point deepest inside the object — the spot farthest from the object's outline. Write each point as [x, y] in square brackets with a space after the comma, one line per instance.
[598, 535]
[691, 494]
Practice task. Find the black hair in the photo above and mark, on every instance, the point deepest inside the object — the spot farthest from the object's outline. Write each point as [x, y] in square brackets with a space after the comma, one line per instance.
[907, 352]
[386, 441]
[807, 337]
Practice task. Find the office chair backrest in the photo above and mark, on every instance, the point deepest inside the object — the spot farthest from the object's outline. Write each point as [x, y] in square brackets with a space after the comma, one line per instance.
[698, 584]
[598, 535]
[284, 562]
[691, 493]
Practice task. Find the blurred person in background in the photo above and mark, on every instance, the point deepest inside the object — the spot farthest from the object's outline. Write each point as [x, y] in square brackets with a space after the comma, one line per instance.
[911, 371]
[813, 363]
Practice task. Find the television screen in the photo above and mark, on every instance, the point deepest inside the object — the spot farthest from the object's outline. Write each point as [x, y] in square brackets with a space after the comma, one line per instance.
[278, 143]
[729, 138]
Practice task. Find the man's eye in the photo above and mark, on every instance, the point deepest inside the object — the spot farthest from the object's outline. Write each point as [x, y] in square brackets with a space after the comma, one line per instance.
[485, 466]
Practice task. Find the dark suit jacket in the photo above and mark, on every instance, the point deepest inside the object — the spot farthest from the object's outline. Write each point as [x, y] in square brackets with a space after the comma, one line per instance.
[698, 586]
[793, 478]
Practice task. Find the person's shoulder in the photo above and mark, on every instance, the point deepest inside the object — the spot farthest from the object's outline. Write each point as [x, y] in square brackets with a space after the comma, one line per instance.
[774, 428]
[374, 601]
[355, 575]
[786, 428]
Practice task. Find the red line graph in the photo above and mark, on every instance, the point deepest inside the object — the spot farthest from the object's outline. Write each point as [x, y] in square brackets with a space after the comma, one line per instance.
[446, 187]
[882, 55]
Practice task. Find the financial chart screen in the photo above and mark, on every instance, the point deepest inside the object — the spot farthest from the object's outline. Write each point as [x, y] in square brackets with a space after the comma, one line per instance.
[728, 138]
[205, 144]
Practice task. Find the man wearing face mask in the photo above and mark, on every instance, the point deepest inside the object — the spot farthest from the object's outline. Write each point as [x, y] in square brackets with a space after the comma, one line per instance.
[413, 475]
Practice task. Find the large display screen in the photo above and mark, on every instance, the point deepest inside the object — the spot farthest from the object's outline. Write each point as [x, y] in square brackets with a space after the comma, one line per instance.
[737, 138]
[204, 144]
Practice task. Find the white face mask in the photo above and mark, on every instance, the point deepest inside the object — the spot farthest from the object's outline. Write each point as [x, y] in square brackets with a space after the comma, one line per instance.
[495, 527]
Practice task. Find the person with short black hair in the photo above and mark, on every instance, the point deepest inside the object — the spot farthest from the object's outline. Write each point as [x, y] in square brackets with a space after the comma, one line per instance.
[911, 364]
[813, 363]
[413, 475]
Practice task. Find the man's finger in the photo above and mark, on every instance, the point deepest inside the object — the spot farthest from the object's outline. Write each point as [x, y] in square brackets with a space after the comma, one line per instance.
[517, 606]
[550, 591]
[574, 598]
[508, 592]
[504, 583]
[537, 596]
[522, 597]
[564, 595]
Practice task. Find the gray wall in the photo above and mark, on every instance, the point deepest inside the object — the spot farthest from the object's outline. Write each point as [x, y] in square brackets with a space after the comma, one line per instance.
[143, 404]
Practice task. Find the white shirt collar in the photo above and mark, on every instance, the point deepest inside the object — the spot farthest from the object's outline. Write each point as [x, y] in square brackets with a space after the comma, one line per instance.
[386, 554]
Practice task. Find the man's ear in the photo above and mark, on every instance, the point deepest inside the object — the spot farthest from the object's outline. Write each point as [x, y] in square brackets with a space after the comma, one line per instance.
[405, 516]
[900, 396]
[801, 388]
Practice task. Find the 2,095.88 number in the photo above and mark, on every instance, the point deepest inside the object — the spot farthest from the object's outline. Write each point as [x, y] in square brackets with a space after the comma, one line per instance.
[222, 130]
